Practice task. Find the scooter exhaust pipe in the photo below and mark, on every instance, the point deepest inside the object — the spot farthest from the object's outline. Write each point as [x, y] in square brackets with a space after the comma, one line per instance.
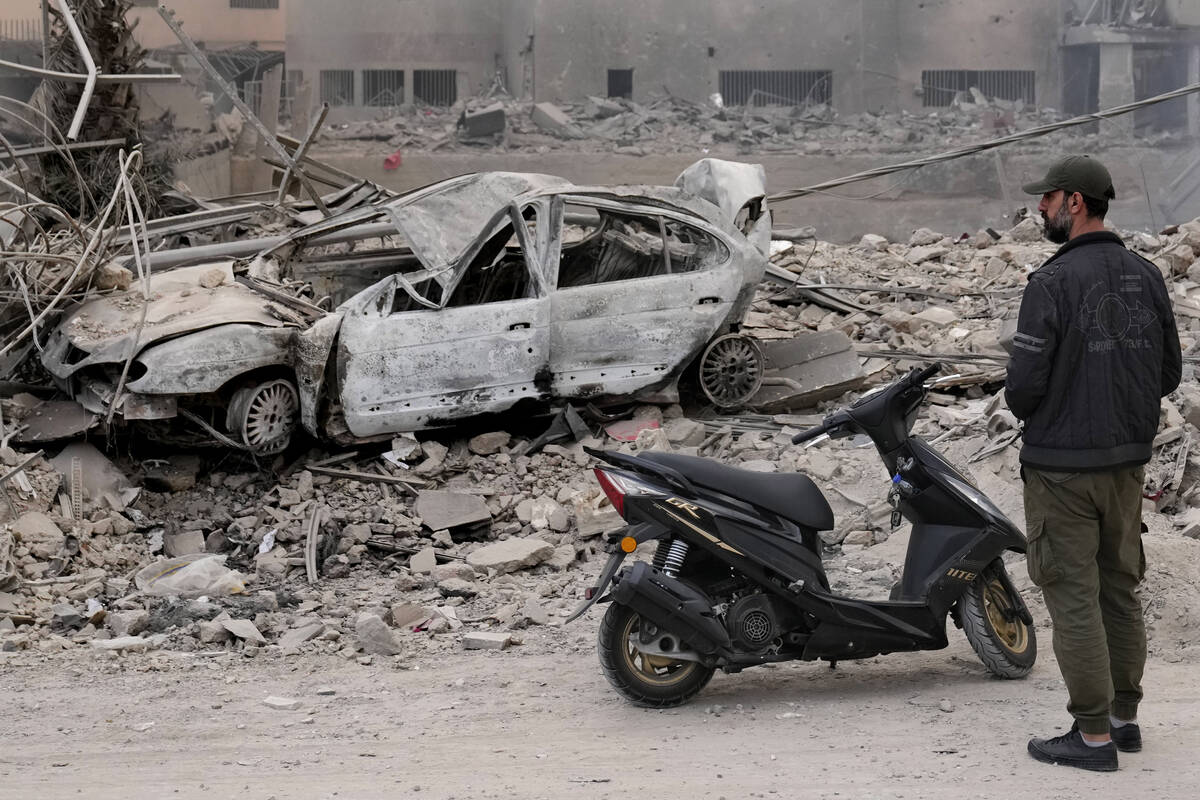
[673, 606]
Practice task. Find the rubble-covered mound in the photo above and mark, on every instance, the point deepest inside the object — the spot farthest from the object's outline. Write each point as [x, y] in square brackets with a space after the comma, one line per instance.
[484, 542]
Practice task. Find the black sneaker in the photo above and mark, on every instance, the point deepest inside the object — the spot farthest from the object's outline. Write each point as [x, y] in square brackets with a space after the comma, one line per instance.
[1127, 738]
[1070, 750]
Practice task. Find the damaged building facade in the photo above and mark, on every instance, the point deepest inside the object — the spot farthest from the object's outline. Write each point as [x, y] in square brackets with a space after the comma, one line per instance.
[857, 56]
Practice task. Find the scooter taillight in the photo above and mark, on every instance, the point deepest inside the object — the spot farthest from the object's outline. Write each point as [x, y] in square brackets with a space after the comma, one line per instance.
[612, 489]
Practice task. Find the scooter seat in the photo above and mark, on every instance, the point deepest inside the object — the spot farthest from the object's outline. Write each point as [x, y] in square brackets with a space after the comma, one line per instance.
[790, 494]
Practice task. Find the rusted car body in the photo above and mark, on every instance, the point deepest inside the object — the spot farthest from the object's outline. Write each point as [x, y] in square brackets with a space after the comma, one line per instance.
[461, 298]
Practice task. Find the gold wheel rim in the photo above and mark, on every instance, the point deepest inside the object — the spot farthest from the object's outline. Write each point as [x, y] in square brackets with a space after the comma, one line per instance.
[1009, 629]
[654, 669]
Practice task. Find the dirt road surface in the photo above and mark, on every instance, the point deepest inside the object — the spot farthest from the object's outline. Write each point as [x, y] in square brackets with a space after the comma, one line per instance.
[538, 721]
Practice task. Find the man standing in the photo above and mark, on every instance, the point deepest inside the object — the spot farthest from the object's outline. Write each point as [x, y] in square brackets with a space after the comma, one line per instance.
[1095, 350]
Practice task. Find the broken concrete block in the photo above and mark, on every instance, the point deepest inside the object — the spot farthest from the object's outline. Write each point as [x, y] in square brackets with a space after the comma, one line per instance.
[457, 587]
[535, 613]
[653, 440]
[406, 447]
[1027, 230]
[511, 555]
[301, 634]
[213, 633]
[243, 629]
[443, 510]
[488, 444]
[874, 242]
[602, 107]
[593, 521]
[562, 558]
[281, 703]
[486, 641]
[66, 615]
[1178, 258]
[919, 255]
[552, 119]
[484, 121]
[543, 513]
[130, 644]
[938, 315]
[374, 636]
[406, 615]
[112, 276]
[127, 623]
[685, 432]
[924, 236]
[423, 561]
[211, 279]
[435, 458]
[816, 365]
[183, 544]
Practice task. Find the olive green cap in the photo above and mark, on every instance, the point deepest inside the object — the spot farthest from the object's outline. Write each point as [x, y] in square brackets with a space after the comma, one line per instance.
[1082, 174]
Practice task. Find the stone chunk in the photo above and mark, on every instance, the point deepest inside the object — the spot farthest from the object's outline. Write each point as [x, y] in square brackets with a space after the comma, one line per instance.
[112, 276]
[299, 635]
[488, 444]
[924, 236]
[552, 119]
[423, 561]
[374, 636]
[185, 543]
[127, 623]
[1027, 230]
[213, 633]
[281, 703]
[486, 641]
[684, 432]
[933, 252]
[875, 242]
[243, 629]
[938, 315]
[440, 509]
[457, 587]
[511, 555]
[406, 615]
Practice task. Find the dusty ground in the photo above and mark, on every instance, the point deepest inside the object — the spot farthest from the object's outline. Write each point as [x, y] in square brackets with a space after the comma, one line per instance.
[539, 721]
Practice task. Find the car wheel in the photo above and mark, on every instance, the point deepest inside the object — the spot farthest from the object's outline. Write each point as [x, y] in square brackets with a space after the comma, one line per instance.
[731, 370]
[263, 415]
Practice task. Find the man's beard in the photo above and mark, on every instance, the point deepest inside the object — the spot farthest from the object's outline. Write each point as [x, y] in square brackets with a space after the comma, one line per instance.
[1057, 230]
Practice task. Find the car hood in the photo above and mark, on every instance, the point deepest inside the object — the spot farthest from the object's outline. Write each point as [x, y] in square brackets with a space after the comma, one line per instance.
[182, 301]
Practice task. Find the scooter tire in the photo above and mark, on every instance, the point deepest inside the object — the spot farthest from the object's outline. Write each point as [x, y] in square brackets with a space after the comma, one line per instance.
[1005, 644]
[646, 681]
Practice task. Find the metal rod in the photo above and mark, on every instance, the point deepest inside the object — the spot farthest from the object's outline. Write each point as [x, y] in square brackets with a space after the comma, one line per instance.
[37, 151]
[89, 85]
[169, 17]
[101, 77]
[299, 157]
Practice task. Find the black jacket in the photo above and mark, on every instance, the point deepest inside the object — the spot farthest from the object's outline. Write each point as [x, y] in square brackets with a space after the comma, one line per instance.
[1095, 350]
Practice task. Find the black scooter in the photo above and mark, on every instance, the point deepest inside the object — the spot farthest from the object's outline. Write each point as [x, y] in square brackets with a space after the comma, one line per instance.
[737, 578]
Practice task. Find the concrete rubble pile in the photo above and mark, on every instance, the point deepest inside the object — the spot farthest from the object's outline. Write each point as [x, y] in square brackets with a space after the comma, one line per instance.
[670, 124]
[482, 542]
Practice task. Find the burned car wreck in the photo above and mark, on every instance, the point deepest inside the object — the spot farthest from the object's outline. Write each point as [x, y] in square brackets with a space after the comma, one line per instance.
[461, 298]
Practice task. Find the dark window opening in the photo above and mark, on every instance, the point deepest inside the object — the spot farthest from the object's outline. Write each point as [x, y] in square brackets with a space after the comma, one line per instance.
[435, 87]
[602, 246]
[254, 3]
[776, 87]
[620, 83]
[383, 87]
[337, 87]
[941, 86]
[499, 271]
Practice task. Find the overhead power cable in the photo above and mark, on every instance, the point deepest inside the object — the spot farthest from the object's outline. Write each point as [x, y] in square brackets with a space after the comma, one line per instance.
[970, 150]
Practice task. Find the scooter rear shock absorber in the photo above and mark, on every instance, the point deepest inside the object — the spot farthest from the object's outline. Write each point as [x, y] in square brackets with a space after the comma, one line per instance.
[675, 556]
[660, 553]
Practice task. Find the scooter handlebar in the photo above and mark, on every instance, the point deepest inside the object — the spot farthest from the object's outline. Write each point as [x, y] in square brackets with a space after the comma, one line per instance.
[920, 376]
[811, 433]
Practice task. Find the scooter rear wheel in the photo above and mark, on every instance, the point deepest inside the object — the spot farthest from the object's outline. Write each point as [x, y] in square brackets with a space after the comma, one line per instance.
[1005, 644]
[651, 681]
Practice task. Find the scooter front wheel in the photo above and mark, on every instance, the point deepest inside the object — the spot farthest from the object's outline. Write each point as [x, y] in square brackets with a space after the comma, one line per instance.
[651, 681]
[1004, 642]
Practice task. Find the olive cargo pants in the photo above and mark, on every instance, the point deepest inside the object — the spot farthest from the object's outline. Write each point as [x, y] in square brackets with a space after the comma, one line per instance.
[1085, 552]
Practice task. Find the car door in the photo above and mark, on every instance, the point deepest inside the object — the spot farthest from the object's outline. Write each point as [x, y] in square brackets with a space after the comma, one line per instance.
[405, 366]
[637, 292]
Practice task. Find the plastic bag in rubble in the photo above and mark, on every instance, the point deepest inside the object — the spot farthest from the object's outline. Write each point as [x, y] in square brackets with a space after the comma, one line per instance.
[194, 575]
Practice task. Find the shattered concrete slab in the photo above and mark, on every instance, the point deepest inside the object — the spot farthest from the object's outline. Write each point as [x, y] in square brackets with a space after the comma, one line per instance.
[800, 372]
[445, 510]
